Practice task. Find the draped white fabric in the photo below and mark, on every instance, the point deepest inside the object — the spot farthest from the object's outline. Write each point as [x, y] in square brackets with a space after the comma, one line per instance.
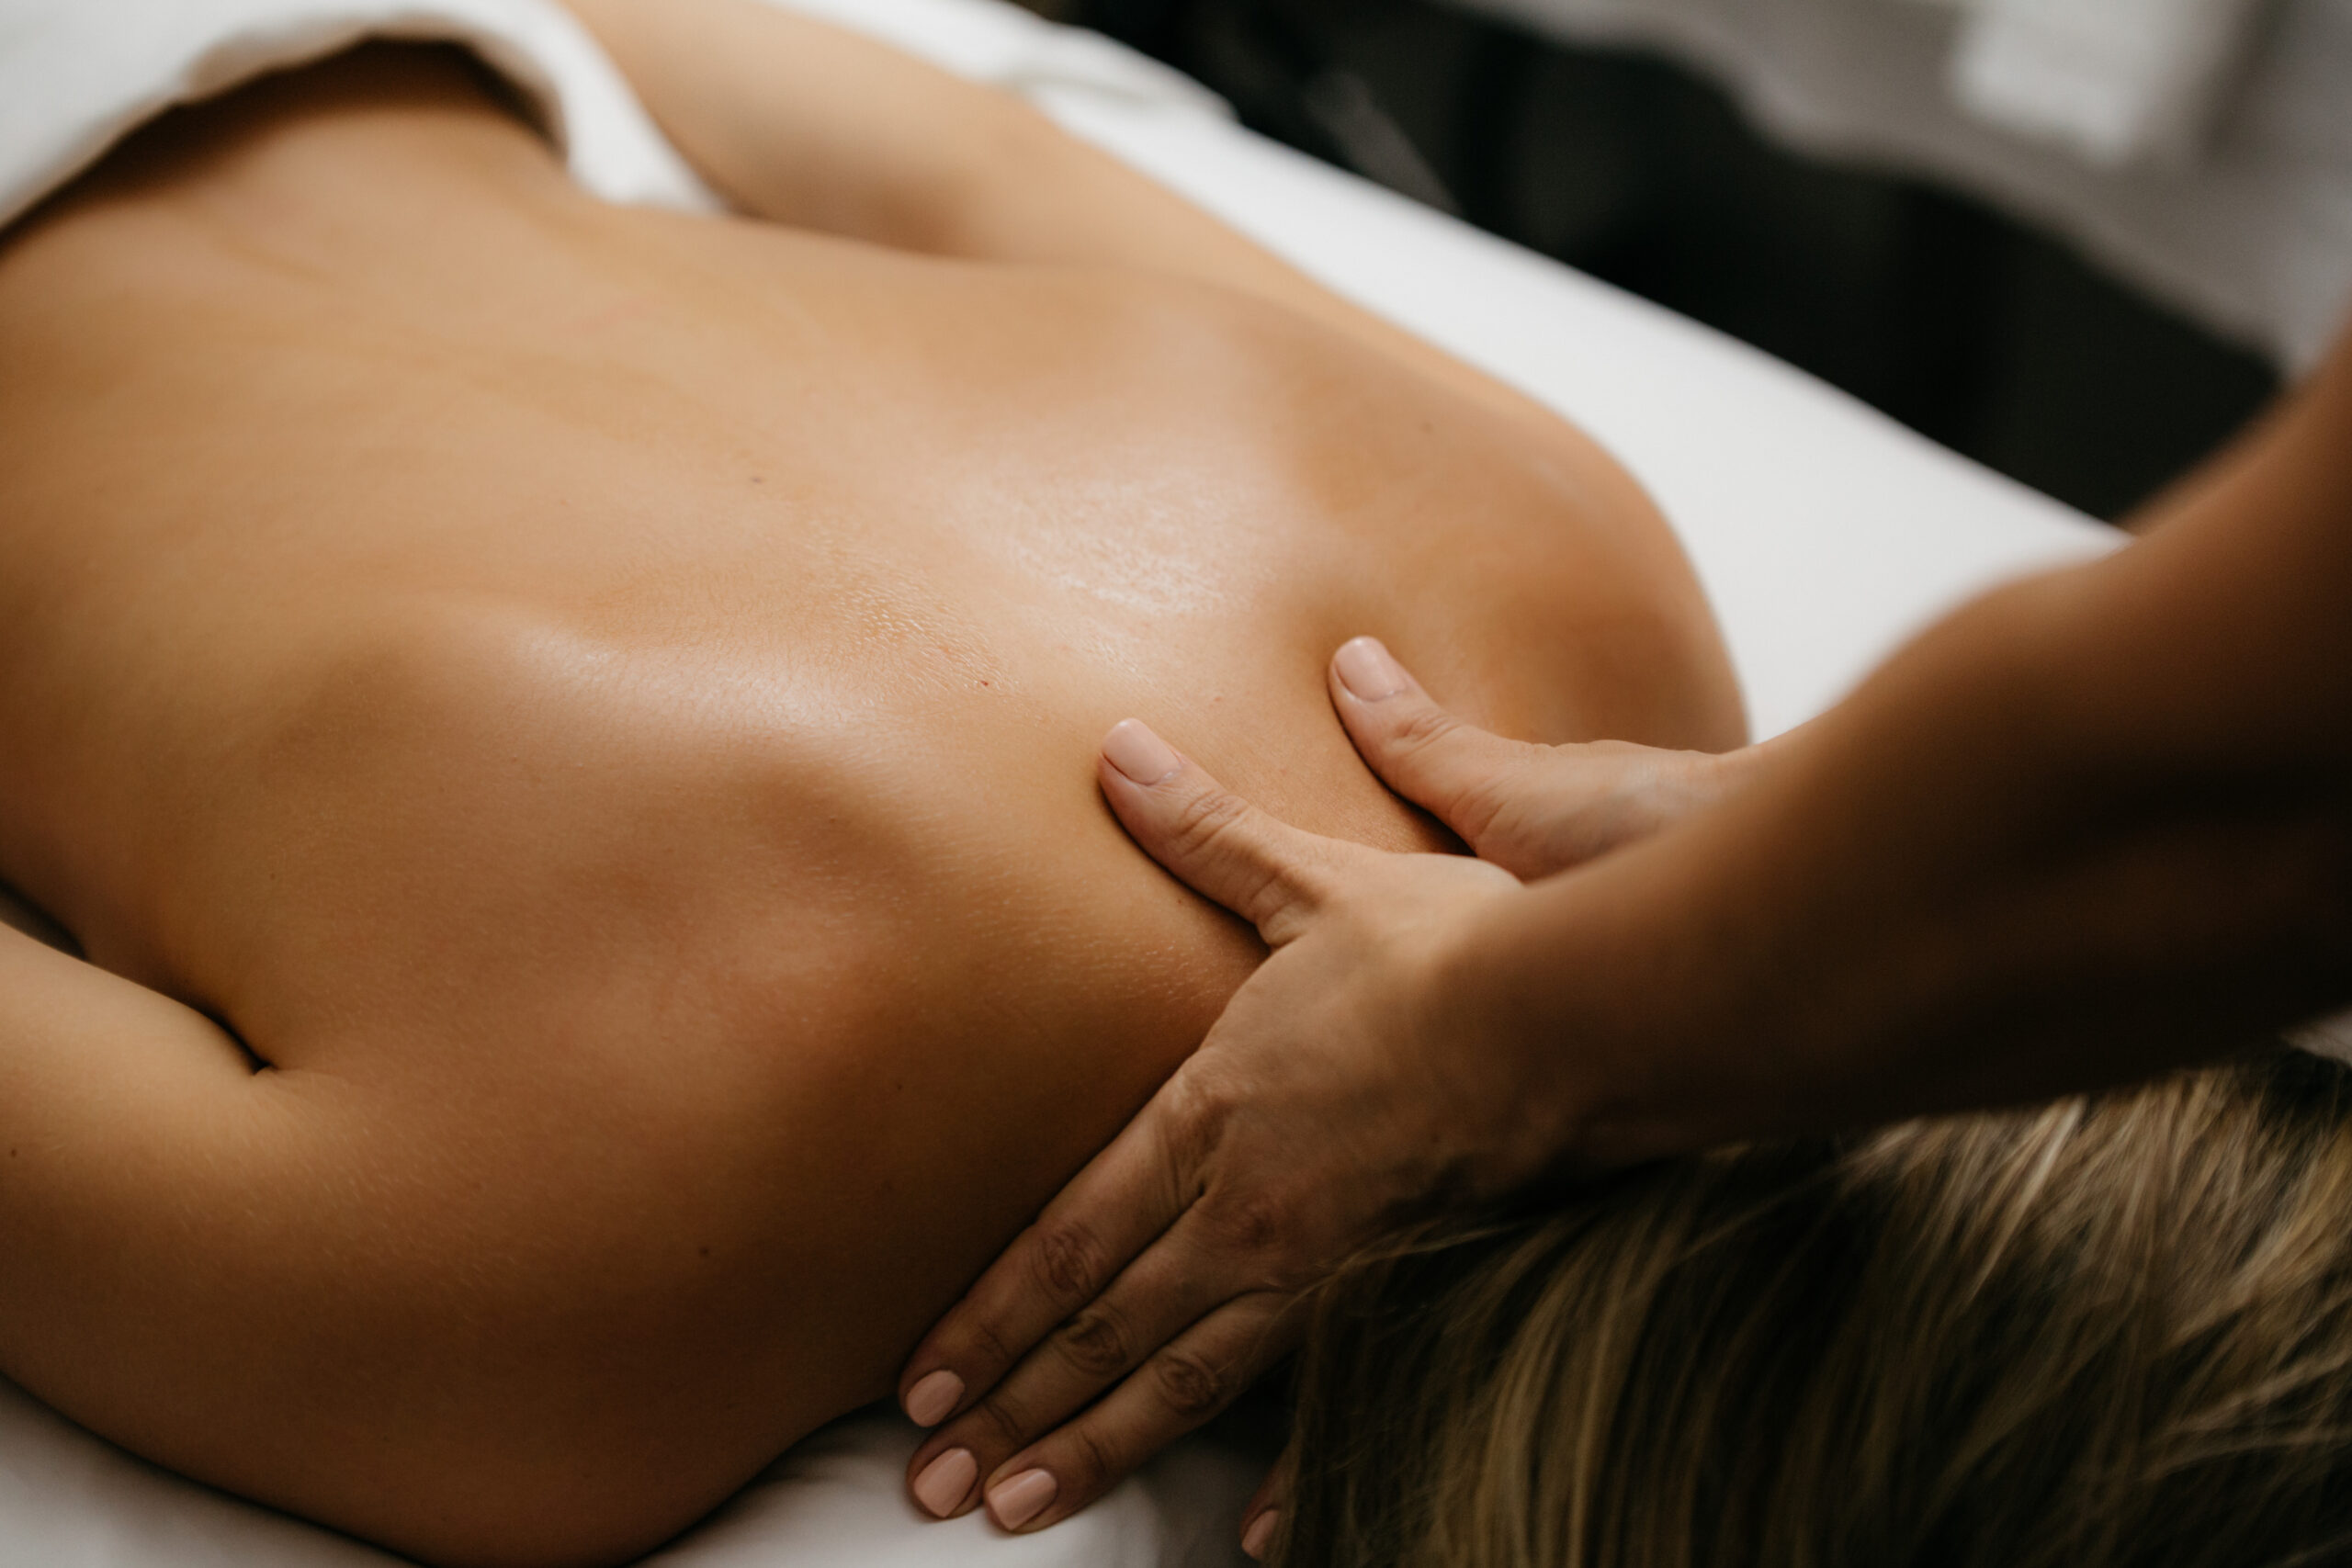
[76, 75]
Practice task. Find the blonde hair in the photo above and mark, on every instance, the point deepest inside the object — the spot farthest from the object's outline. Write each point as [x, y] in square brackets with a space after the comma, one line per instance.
[2113, 1331]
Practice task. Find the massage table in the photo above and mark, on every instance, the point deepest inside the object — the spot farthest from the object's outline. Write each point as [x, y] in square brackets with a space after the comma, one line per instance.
[1824, 534]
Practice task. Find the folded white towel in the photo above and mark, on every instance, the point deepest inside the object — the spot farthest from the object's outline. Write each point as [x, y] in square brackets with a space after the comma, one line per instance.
[78, 75]
[1018, 51]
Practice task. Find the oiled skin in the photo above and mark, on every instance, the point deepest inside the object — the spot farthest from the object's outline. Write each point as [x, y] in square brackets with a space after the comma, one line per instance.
[603, 704]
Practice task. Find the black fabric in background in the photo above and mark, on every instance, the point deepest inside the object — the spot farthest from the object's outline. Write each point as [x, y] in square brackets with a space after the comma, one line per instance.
[1970, 328]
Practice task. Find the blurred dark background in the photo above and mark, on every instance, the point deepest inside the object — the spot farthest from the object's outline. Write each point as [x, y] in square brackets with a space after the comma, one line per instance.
[1963, 325]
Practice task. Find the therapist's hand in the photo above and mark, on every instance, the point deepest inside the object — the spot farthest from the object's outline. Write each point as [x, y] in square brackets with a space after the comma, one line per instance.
[1339, 1094]
[1530, 808]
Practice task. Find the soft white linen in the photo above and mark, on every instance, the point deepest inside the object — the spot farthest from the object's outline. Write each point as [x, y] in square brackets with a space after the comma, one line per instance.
[68, 1500]
[2250, 232]
[1824, 531]
[76, 75]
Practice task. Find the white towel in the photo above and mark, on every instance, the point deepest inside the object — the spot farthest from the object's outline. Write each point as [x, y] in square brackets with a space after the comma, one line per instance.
[2119, 81]
[78, 75]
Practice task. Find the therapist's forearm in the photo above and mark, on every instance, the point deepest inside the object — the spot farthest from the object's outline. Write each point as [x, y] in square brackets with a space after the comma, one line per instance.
[2095, 824]
[1982, 915]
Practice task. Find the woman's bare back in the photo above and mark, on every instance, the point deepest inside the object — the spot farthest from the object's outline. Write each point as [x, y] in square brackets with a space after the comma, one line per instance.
[503, 659]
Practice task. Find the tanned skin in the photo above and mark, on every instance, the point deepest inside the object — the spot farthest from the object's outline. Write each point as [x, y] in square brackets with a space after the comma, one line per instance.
[2092, 825]
[566, 736]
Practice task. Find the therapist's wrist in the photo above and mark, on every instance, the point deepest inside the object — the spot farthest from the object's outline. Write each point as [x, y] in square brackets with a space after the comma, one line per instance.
[1801, 959]
[1782, 957]
[1556, 1103]
[1684, 992]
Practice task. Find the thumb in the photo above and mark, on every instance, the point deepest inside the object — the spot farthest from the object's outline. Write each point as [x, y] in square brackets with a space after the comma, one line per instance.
[1459, 773]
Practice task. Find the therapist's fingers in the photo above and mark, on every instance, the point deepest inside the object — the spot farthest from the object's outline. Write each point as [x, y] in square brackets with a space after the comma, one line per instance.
[1158, 1296]
[1269, 873]
[1533, 811]
[1463, 775]
[1123, 1199]
[1139, 1325]
[1181, 1386]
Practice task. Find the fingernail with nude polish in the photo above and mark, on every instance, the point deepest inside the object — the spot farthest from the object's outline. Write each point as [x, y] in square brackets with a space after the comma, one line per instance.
[1022, 1498]
[1260, 1535]
[1368, 671]
[929, 1402]
[1138, 753]
[945, 1481]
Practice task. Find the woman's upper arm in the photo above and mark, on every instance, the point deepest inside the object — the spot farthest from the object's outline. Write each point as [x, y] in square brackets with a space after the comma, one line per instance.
[807, 124]
[85, 1055]
[144, 1174]
[120, 1110]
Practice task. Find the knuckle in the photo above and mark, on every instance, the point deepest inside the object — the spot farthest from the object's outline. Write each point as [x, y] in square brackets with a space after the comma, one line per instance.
[1189, 1386]
[1094, 1462]
[1207, 816]
[1419, 728]
[989, 1346]
[1486, 808]
[1214, 826]
[1445, 774]
[1067, 1262]
[1282, 926]
[1256, 1224]
[1198, 1106]
[1095, 1343]
[1004, 1424]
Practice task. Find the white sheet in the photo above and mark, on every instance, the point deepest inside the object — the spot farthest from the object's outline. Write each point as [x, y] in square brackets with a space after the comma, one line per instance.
[68, 1500]
[76, 75]
[1824, 531]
